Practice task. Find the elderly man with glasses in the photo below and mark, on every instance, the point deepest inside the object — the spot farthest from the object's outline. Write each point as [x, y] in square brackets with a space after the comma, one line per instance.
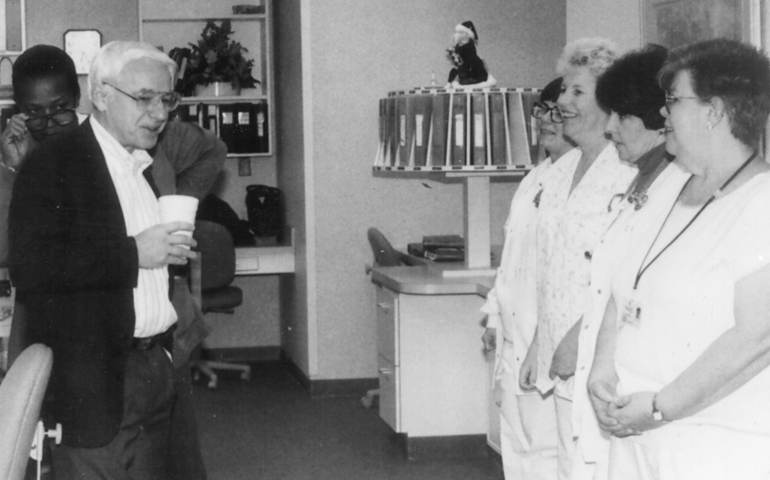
[186, 160]
[90, 260]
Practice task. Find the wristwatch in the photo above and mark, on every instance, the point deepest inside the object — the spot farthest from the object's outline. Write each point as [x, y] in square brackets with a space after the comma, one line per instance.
[657, 415]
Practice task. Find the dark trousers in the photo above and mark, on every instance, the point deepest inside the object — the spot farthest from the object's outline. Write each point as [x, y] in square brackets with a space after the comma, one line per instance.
[185, 461]
[140, 449]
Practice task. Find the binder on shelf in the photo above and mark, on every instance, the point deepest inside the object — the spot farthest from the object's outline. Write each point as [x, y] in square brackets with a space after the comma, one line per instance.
[421, 123]
[383, 115]
[497, 129]
[401, 116]
[208, 118]
[478, 126]
[409, 119]
[391, 148]
[227, 130]
[260, 119]
[528, 99]
[517, 127]
[459, 128]
[439, 127]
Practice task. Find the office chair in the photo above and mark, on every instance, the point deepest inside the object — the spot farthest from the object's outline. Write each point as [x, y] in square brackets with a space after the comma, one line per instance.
[384, 253]
[211, 278]
[21, 397]
[384, 256]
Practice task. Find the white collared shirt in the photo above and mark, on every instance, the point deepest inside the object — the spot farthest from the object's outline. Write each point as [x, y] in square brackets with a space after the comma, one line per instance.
[153, 309]
[570, 225]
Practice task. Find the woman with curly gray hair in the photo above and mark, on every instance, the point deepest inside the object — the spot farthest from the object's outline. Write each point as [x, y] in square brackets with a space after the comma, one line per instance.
[573, 216]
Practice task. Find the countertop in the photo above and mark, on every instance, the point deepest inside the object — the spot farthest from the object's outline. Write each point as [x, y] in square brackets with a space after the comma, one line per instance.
[430, 280]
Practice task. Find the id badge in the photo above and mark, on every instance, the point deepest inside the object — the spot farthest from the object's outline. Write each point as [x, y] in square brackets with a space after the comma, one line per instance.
[632, 312]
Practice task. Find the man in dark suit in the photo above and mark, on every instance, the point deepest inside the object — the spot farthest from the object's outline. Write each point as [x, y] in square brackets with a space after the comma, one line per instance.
[89, 259]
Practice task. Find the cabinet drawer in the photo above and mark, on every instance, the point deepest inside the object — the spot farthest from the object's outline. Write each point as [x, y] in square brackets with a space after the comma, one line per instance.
[388, 375]
[387, 324]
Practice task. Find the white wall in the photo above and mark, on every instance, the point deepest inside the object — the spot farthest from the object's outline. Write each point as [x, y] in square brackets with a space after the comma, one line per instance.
[618, 20]
[358, 51]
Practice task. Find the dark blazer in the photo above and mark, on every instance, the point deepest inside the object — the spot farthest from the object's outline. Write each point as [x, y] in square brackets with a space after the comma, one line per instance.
[75, 267]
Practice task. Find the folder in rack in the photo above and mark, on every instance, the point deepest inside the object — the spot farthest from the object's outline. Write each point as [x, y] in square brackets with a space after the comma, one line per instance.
[478, 126]
[497, 130]
[459, 128]
[401, 129]
[421, 110]
[439, 125]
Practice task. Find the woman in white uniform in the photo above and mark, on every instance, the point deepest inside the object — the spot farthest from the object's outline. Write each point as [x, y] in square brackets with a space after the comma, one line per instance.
[680, 377]
[527, 420]
[573, 216]
[629, 90]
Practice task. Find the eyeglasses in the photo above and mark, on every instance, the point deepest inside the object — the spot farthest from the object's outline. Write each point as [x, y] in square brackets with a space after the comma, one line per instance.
[672, 99]
[540, 110]
[61, 118]
[146, 101]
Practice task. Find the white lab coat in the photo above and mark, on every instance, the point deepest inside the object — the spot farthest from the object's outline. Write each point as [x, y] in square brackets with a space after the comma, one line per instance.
[528, 421]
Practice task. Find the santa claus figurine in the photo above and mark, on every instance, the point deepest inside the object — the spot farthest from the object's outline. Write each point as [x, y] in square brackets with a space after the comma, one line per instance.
[469, 70]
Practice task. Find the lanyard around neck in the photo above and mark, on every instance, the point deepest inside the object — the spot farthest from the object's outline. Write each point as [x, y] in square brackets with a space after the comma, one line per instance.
[643, 267]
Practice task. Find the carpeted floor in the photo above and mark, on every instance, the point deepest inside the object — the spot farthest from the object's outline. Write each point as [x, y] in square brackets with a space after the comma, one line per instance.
[269, 428]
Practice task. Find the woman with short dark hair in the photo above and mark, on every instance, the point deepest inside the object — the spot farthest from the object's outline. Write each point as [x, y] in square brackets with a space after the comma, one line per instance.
[681, 376]
[629, 91]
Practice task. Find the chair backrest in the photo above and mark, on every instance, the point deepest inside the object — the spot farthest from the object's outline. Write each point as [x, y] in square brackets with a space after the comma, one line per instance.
[217, 251]
[384, 253]
[21, 396]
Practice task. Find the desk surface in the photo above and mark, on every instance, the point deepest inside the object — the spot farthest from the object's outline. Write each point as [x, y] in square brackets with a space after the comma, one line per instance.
[430, 280]
[264, 260]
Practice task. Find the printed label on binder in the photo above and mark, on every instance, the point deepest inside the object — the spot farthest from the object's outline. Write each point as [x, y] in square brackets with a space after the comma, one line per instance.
[402, 130]
[227, 118]
[459, 130]
[418, 130]
[260, 124]
[244, 117]
[478, 130]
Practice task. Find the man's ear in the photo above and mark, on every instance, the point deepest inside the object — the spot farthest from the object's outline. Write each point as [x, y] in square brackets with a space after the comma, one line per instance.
[99, 97]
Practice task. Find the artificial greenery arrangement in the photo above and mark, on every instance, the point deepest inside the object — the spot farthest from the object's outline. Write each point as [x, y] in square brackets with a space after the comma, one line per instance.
[215, 58]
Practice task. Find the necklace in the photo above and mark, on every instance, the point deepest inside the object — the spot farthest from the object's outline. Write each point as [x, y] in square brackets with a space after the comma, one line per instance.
[633, 310]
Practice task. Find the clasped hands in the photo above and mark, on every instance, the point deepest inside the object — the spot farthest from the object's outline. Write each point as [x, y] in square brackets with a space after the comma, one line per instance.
[621, 415]
[162, 245]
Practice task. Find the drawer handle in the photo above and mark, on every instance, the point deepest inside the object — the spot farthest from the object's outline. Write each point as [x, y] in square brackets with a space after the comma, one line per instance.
[385, 371]
[385, 307]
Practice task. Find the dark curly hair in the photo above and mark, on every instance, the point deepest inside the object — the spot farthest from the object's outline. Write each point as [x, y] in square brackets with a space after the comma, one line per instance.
[551, 92]
[630, 86]
[737, 73]
[44, 61]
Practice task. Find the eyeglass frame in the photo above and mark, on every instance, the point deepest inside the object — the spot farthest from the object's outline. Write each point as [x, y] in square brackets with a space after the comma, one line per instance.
[157, 98]
[553, 112]
[672, 99]
[51, 116]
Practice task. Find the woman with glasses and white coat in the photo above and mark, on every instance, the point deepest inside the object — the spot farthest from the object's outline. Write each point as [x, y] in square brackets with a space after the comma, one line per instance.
[680, 377]
[527, 420]
[573, 216]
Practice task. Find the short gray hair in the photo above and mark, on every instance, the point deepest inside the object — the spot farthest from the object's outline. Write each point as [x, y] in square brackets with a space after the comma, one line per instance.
[596, 54]
[112, 57]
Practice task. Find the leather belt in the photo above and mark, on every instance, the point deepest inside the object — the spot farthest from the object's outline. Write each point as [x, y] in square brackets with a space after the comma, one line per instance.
[146, 343]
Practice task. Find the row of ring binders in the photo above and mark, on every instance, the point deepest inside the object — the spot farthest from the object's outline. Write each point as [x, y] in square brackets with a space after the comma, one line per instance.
[242, 126]
[443, 129]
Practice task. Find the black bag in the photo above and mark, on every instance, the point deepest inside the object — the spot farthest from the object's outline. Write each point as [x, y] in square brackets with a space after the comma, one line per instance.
[264, 206]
